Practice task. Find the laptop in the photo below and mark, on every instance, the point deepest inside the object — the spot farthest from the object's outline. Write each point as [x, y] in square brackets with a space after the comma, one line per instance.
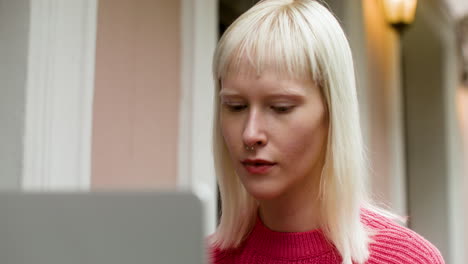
[101, 228]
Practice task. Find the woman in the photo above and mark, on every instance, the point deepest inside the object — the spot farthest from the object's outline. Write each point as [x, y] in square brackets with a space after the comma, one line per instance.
[288, 149]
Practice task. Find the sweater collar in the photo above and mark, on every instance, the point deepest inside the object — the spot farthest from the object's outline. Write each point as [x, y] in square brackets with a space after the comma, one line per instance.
[287, 245]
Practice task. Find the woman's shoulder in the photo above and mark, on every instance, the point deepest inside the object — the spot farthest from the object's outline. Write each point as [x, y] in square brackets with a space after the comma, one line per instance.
[393, 243]
[216, 255]
[220, 256]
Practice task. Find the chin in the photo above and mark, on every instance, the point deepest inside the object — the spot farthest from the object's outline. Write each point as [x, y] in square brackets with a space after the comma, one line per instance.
[263, 192]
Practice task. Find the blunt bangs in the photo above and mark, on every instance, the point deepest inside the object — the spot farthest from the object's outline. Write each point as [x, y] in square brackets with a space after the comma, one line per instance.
[274, 41]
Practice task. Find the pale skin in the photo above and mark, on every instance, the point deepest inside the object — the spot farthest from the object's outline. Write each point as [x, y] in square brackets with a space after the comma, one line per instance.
[287, 123]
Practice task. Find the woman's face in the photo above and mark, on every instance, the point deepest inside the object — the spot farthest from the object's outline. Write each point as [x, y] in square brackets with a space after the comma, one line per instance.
[285, 121]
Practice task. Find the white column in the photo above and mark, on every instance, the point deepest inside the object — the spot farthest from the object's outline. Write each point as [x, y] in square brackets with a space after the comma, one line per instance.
[196, 171]
[59, 93]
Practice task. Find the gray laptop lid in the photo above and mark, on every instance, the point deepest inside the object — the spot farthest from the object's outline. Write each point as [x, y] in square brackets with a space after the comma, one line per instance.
[100, 228]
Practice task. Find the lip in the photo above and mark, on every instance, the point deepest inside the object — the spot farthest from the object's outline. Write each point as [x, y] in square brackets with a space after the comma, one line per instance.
[258, 166]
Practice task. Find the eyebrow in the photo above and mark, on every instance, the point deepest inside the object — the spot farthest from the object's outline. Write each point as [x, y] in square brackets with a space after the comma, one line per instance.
[284, 91]
[223, 92]
[272, 96]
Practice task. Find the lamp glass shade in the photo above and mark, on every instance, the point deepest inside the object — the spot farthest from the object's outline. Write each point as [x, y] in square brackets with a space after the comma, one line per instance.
[400, 11]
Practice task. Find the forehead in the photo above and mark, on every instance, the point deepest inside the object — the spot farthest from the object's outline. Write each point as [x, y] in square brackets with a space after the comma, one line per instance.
[267, 82]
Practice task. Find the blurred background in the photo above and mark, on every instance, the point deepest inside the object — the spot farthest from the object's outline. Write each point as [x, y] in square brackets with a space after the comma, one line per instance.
[117, 95]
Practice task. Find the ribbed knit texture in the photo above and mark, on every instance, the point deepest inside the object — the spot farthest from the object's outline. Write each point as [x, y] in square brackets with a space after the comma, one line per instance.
[392, 244]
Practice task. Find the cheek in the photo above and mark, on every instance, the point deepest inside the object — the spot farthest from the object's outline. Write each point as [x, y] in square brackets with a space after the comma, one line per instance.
[228, 132]
[296, 146]
[306, 144]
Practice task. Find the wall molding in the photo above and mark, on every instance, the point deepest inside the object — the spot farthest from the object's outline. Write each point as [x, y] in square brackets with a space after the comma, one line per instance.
[195, 162]
[59, 95]
[443, 24]
[462, 44]
[434, 157]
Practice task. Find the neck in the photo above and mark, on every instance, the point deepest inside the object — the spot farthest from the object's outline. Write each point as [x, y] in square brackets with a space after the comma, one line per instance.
[298, 212]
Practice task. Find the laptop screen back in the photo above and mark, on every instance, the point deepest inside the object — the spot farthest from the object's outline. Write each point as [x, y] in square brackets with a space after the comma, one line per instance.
[100, 228]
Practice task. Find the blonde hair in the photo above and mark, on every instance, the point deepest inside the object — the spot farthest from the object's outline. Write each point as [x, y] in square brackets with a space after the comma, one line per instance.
[298, 39]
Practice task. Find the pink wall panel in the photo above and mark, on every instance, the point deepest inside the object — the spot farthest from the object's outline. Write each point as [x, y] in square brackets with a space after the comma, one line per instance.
[135, 126]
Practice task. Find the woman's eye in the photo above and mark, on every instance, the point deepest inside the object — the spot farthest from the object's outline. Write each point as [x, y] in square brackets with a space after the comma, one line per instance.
[282, 109]
[236, 107]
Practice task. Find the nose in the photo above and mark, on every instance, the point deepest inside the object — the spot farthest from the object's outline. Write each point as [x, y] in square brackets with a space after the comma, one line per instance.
[254, 130]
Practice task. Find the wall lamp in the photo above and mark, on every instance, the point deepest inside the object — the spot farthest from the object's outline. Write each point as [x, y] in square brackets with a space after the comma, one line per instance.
[399, 13]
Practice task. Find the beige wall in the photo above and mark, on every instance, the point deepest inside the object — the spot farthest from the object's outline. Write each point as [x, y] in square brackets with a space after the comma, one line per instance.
[137, 91]
[384, 116]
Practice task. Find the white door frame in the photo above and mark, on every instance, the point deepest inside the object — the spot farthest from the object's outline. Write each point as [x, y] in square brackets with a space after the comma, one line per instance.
[59, 95]
[196, 170]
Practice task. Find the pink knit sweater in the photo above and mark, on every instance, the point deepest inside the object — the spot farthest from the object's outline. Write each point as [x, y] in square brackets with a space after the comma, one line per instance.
[392, 244]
